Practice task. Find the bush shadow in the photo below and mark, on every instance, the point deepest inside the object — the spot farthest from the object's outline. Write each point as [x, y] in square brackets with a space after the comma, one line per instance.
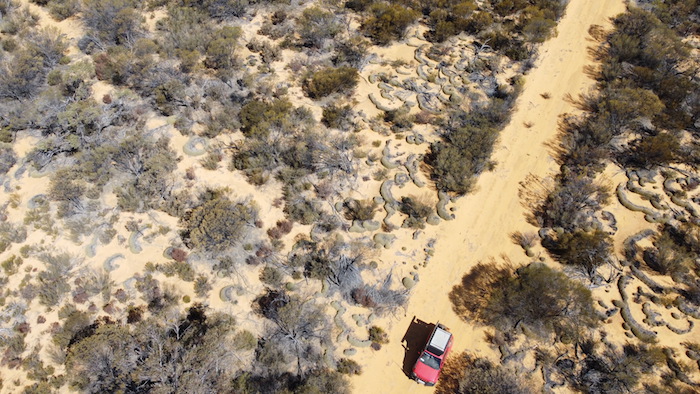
[414, 341]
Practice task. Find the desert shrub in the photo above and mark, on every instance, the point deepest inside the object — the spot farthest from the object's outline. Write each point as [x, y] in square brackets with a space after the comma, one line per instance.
[668, 257]
[194, 349]
[316, 25]
[387, 22]
[282, 228]
[257, 117]
[466, 147]
[538, 27]
[217, 223]
[202, 287]
[178, 254]
[74, 323]
[378, 335]
[185, 31]
[660, 149]
[148, 164]
[585, 249]
[52, 283]
[349, 367]
[180, 268]
[362, 297]
[338, 117]
[618, 370]
[62, 9]
[359, 209]
[21, 75]
[324, 381]
[545, 300]
[303, 211]
[465, 374]
[245, 340]
[11, 265]
[8, 158]
[416, 210]
[271, 276]
[330, 80]
[114, 22]
[219, 53]
[570, 203]
[118, 66]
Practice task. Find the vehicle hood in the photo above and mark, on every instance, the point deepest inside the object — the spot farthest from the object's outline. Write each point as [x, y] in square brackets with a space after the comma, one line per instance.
[425, 373]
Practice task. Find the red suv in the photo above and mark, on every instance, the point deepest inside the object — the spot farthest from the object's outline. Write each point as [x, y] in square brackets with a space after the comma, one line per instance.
[427, 368]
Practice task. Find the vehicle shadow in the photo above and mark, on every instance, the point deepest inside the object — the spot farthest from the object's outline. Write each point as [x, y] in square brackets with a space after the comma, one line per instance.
[414, 341]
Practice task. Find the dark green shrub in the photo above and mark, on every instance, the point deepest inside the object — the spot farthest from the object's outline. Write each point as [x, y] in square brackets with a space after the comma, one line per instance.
[330, 80]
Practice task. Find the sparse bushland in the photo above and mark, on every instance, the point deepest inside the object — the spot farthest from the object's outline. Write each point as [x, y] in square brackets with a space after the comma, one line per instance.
[191, 348]
[639, 121]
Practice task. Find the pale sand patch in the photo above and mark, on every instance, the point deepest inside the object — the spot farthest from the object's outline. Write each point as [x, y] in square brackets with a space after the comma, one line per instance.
[487, 217]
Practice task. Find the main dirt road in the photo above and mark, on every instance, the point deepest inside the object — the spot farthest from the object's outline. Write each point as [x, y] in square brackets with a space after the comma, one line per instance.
[486, 218]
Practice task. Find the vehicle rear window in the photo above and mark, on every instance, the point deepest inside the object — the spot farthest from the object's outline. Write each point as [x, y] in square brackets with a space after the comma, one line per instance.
[430, 360]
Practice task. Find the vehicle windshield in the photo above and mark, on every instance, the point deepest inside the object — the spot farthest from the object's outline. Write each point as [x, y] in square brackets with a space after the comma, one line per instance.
[430, 360]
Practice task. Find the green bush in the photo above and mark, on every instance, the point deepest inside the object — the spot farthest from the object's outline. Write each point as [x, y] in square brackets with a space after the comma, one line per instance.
[257, 117]
[219, 53]
[387, 22]
[217, 223]
[330, 80]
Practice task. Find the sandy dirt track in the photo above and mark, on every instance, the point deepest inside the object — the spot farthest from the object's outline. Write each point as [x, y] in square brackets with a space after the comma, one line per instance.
[487, 217]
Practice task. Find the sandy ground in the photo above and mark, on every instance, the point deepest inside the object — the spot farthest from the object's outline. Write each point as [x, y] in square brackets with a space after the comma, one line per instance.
[486, 218]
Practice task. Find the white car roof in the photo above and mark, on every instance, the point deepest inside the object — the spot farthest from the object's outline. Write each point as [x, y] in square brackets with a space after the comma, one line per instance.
[440, 339]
